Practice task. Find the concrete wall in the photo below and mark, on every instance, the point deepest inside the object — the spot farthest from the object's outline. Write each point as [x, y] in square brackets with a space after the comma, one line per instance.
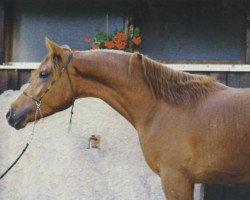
[64, 22]
[171, 31]
[192, 31]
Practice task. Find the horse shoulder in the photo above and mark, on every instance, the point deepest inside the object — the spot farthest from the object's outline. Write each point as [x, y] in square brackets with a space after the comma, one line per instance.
[163, 138]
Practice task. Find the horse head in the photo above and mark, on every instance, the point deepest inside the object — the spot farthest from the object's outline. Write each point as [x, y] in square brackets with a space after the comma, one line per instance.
[50, 88]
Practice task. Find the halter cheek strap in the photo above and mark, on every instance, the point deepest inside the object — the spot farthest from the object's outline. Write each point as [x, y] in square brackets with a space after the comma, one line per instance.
[72, 89]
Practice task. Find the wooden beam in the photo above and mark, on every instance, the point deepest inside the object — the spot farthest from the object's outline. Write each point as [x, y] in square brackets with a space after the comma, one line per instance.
[8, 31]
[248, 36]
[128, 24]
[2, 3]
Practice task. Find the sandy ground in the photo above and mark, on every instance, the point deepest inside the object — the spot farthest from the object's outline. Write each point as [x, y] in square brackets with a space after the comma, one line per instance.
[58, 165]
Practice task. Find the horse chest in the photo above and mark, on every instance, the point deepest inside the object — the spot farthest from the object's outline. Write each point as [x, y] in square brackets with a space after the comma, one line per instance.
[150, 154]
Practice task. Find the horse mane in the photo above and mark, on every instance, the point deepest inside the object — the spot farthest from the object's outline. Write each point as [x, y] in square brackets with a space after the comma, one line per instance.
[174, 86]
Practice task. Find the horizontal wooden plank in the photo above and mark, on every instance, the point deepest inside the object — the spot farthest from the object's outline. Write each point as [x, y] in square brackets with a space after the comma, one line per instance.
[20, 65]
[210, 67]
[182, 67]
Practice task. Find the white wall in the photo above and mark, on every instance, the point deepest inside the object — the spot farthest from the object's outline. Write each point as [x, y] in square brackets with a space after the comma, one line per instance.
[58, 166]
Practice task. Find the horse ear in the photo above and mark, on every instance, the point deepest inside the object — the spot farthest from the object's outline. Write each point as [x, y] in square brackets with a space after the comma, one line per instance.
[53, 47]
[138, 55]
[135, 57]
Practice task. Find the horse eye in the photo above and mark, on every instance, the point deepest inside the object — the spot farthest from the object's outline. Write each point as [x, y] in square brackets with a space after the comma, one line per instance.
[43, 74]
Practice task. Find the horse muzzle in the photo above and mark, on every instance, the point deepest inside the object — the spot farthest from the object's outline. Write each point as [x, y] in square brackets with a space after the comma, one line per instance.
[16, 118]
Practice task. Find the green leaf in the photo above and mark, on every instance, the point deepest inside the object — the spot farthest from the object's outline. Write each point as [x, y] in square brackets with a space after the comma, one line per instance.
[136, 32]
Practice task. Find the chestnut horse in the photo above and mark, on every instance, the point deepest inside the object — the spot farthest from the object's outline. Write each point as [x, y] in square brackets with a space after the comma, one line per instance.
[191, 128]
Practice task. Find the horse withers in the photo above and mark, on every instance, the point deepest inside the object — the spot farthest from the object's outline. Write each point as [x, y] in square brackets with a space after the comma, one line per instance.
[191, 128]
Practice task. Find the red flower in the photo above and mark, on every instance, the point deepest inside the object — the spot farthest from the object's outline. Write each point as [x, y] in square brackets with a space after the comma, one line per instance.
[87, 39]
[136, 40]
[109, 44]
[120, 36]
[120, 44]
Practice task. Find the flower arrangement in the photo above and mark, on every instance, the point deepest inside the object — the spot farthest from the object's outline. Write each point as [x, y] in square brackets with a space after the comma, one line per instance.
[117, 40]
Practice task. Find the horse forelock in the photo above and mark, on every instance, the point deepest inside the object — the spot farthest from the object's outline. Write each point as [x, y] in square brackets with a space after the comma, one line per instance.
[50, 63]
[174, 86]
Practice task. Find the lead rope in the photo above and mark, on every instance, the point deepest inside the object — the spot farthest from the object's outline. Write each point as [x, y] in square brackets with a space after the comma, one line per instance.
[72, 90]
[71, 116]
[38, 110]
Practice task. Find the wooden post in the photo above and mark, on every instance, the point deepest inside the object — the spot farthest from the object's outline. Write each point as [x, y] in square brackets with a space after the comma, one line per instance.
[129, 25]
[128, 22]
[8, 24]
[248, 37]
[2, 31]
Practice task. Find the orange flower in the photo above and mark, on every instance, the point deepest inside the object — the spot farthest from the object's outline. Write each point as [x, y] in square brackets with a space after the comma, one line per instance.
[109, 44]
[120, 44]
[95, 46]
[87, 39]
[120, 36]
[136, 40]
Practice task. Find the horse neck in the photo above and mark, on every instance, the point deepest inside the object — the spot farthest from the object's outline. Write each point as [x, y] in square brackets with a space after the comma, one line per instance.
[106, 75]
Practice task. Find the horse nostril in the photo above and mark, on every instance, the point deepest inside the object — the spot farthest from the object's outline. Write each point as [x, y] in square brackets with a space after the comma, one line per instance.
[9, 113]
[16, 117]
